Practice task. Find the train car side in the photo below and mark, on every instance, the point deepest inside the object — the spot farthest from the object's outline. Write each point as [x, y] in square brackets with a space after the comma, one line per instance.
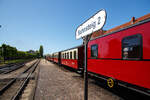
[56, 57]
[73, 57]
[123, 55]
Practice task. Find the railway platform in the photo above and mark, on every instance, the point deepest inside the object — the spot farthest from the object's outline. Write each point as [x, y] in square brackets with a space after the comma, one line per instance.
[56, 83]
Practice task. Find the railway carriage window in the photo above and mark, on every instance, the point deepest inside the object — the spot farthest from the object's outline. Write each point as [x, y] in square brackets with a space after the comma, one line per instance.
[132, 47]
[75, 55]
[94, 51]
[70, 55]
[65, 55]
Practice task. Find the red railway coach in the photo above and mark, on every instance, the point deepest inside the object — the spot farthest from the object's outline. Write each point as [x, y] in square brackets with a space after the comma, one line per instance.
[49, 57]
[123, 56]
[56, 58]
[73, 57]
[52, 58]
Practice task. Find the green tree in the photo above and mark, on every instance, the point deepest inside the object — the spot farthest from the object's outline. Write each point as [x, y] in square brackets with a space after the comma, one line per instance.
[41, 50]
[4, 51]
[8, 52]
[37, 54]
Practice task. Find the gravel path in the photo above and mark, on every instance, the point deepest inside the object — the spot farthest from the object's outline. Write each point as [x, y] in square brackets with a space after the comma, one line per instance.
[57, 83]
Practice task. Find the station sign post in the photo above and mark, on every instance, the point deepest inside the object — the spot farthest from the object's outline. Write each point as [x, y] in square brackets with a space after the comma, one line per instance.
[84, 31]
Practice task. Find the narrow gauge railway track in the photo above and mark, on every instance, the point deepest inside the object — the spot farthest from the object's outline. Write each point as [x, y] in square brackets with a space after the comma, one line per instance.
[11, 64]
[12, 67]
[13, 88]
[7, 65]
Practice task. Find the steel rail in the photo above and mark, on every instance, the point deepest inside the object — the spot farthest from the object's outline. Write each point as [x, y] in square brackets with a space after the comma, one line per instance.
[12, 67]
[14, 80]
[23, 85]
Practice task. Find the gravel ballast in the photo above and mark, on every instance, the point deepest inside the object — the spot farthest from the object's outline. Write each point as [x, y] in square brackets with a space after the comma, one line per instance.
[57, 83]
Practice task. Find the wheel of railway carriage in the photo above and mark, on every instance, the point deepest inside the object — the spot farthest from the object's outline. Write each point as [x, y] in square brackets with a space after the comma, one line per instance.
[111, 83]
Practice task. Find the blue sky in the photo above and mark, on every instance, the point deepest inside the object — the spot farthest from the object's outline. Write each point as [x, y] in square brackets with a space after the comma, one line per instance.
[27, 24]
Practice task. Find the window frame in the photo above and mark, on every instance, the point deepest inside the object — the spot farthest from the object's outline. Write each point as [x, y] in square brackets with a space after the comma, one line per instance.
[70, 54]
[96, 49]
[62, 56]
[141, 46]
[65, 55]
[75, 54]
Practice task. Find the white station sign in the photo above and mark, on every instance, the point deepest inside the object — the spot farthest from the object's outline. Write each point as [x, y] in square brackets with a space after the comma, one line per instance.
[93, 24]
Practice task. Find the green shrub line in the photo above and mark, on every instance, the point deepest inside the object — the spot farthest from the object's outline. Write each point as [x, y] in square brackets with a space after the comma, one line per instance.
[11, 54]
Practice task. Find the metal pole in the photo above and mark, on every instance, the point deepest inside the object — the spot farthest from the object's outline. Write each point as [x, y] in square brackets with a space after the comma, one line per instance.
[85, 70]
[86, 40]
